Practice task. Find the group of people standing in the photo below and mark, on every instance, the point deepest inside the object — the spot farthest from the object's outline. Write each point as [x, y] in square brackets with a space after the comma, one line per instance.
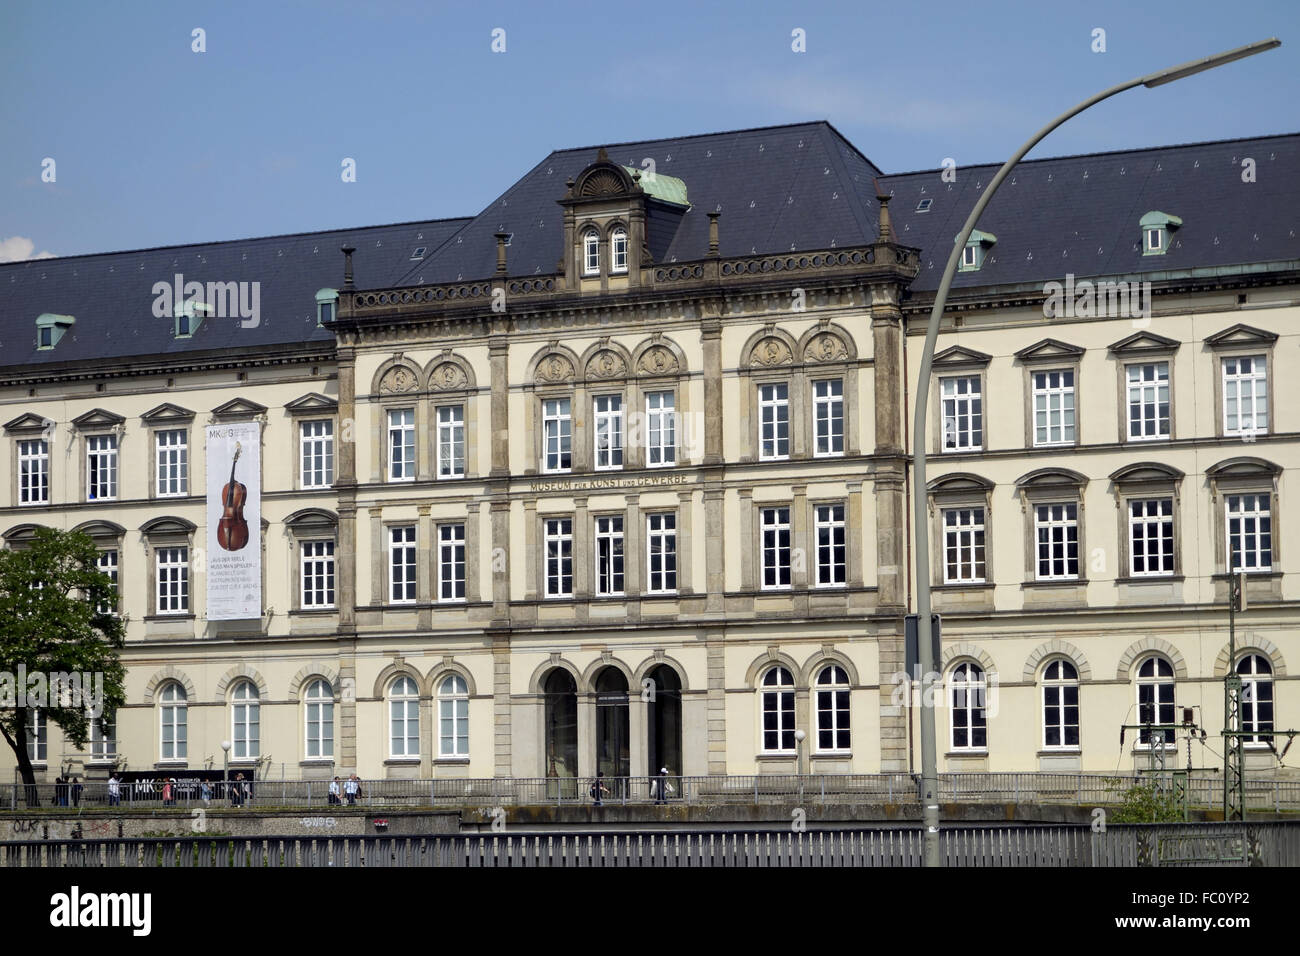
[66, 788]
[349, 790]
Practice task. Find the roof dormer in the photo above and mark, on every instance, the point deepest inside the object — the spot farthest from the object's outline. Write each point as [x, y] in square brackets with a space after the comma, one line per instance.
[1157, 227]
[50, 328]
[977, 247]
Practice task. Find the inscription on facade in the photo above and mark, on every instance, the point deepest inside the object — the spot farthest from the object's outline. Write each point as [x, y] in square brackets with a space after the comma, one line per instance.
[599, 484]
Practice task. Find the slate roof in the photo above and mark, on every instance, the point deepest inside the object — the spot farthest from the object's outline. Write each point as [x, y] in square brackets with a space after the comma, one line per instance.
[1080, 214]
[111, 296]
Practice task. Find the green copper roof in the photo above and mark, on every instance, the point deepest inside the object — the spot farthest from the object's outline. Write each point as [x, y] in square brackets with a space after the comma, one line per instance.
[668, 188]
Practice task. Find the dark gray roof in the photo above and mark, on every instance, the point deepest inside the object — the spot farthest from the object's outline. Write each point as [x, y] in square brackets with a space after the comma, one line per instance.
[778, 188]
[111, 296]
[1080, 214]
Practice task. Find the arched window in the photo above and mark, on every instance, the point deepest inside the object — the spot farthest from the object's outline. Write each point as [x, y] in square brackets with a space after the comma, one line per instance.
[1060, 706]
[1155, 697]
[832, 709]
[778, 711]
[969, 720]
[172, 717]
[403, 718]
[453, 717]
[245, 714]
[319, 701]
[590, 253]
[618, 250]
[1256, 698]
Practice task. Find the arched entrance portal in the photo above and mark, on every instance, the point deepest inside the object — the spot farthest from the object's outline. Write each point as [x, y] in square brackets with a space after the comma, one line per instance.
[561, 721]
[664, 722]
[613, 730]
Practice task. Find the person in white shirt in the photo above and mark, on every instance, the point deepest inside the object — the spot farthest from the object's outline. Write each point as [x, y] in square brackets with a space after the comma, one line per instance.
[351, 789]
[334, 791]
[114, 791]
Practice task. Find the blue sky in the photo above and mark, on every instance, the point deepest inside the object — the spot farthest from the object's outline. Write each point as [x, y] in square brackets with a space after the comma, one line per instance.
[155, 144]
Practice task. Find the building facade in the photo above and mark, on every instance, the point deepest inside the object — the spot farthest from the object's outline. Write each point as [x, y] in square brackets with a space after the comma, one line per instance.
[615, 475]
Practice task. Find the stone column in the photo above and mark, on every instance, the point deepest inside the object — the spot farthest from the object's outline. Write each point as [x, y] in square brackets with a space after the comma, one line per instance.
[748, 579]
[584, 559]
[498, 356]
[499, 561]
[685, 543]
[711, 340]
[502, 729]
[853, 533]
[533, 560]
[636, 566]
[714, 547]
[717, 701]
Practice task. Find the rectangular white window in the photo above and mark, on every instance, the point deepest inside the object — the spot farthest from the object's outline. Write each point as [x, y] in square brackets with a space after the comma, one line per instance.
[609, 431]
[963, 546]
[661, 431]
[774, 421]
[590, 254]
[451, 562]
[1250, 533]
[37, 736]
[401, 565]
[106, 563]
[1245, 395]
[1148, 401]
[173, 455]
[1151, 537]
[1054, 407]
[963, 413]
[101, 467]
[317, 445]
[1057, 529]
[609, 554]
[451, 441]
[559, 557]
[828, 416]
[34, 472]
[173, 569]
[831, 553]
[103, 739]
[775, 524]
[401, 444]
[557, 434]
[317, 574]
[661, 553]
[618, 251]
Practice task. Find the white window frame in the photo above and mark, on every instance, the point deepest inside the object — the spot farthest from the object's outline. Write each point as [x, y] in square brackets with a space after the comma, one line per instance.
[173, 712]
[661, 429]
[1256, 507]
[453, 714]
[450, 447]
[101, 467]
[611, 556]
[591, 253]
[318, 580]
[33, 471]
[1067, 522]
[101, 739]
[1053, 394]
[557, 435]
[774, 528]
[245, 721]
[831, 530]
[1158, 681]
[1251, 680]
[172, 578]
[316, 453]
[558, 537]
[968, 696]
[401, 444]
[404, 709]
[1148, 521]
[618, 251]
[1155, 239]
[451, 563]
[970, 256]
[828, 418]
[965, 545]
[773, 412]
[1253, 420]
[107, 563]
[833, 718]
[1056, 682]
[1144, 393]
[172, 458]
[959, 408]
[777, 687]
[661, 551]
[38, 736]
[607, 413]
[403, 564]
[318, 720]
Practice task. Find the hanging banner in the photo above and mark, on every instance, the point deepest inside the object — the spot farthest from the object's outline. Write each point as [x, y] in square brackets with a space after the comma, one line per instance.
[234, 550]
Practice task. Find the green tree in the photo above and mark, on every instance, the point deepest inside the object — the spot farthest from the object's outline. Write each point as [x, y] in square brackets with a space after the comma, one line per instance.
[1147, 804]
[56, 618]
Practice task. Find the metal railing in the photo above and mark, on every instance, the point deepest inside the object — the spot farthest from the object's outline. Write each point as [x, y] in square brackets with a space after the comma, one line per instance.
[1216, 844]
[1079, 789]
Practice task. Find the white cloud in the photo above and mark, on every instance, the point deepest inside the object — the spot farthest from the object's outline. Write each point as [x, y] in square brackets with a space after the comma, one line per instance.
[18, 249]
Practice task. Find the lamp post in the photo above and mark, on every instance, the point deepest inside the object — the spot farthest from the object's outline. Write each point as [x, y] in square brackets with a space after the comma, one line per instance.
[225, 767]
[929, 766]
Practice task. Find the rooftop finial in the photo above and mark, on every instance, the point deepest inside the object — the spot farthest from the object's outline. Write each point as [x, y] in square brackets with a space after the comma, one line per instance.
[713, 233]
[502, 238]
[602, 156]
[347, 265]
[886, 224]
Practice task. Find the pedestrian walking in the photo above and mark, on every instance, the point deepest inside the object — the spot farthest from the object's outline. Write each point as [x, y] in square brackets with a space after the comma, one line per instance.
[597, 788]
[661, 787]
[114, 790]
[205, 791]
[336, 790]
[167, 793]
[77, 788]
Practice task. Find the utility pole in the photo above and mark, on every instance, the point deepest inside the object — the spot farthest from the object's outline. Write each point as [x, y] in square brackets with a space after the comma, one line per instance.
[1234, 783]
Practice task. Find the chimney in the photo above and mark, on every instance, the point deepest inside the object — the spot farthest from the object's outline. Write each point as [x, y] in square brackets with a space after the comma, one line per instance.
[347, 265]
[501, 252]
[713, 233]
[886, 225]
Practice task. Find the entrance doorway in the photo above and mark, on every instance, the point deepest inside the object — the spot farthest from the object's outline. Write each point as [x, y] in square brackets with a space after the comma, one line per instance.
[664, 722]
[613, 731]
[560, 693]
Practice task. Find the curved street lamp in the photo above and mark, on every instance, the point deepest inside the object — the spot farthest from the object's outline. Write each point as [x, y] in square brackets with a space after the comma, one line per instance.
[929, 768]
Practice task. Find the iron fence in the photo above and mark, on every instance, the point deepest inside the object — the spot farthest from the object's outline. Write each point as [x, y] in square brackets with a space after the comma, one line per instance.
[1081, 789]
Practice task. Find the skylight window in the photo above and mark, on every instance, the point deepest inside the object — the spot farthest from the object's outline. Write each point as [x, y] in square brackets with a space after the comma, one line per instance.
[418, 253]
[924, 205]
